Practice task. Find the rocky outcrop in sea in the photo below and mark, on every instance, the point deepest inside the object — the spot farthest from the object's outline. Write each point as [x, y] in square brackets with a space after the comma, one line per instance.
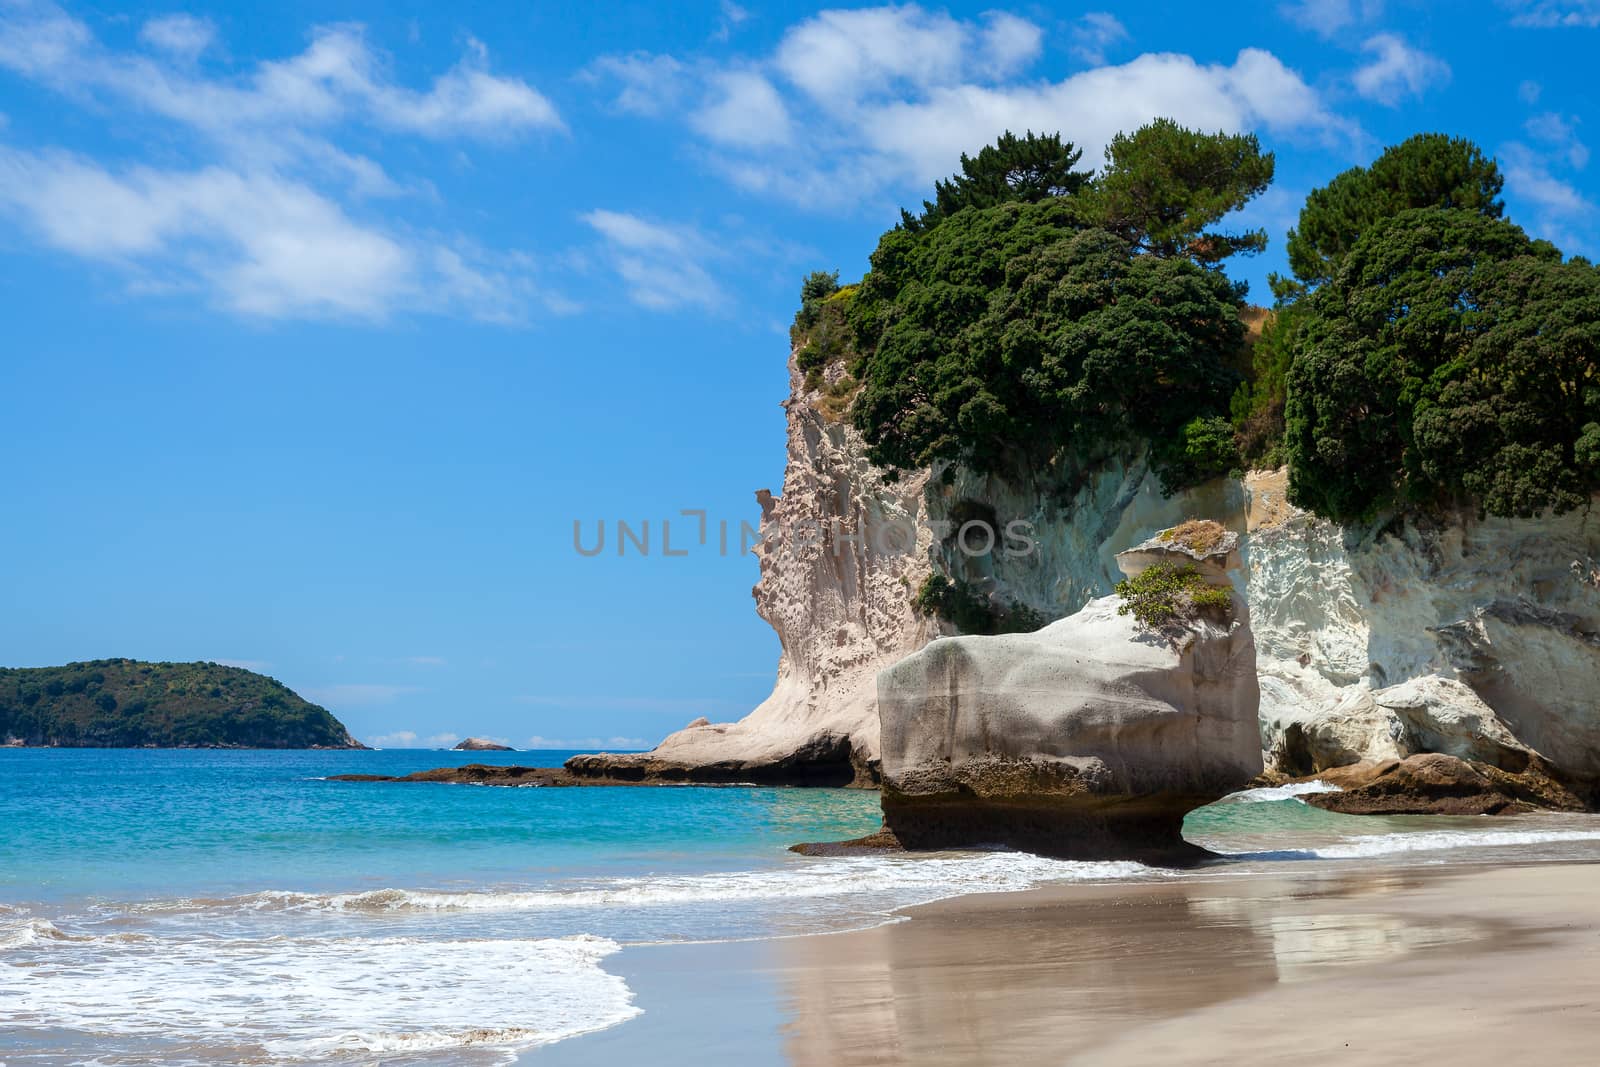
[1091, 737]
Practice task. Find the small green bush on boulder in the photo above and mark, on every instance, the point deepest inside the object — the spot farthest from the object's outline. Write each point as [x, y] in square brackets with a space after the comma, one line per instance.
[1166, 596]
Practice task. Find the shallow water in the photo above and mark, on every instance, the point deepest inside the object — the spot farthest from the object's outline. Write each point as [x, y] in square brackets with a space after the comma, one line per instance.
[172, 907]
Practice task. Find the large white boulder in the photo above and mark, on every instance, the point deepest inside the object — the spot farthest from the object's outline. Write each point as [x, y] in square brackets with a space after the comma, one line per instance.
[1090, 737]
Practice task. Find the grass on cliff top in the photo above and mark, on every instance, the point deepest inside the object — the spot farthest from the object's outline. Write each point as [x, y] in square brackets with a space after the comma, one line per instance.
[1167, 596]
[1197, 535]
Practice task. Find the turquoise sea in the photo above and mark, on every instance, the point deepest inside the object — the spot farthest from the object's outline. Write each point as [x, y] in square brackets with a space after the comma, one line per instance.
[172, 907]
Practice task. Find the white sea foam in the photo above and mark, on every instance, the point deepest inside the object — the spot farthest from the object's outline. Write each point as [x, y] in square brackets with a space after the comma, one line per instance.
[17, 932]
[1292, 791]
[1436, 840]
[899, 880]
[298, 999]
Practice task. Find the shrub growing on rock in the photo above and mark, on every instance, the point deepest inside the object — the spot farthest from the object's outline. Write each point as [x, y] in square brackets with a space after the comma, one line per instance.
[1167, 595]
[971, 612]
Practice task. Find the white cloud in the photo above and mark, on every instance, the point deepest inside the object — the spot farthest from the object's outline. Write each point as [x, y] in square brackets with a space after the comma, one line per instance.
[852, 105]
[1094, 34]
[257, 222]
[466, 101]
[1397, 70]
[919, 140]
[1008, 43]
[648, 84]
[733, 16]
[398, 739]
[694, 706]
[426, 661]
[337, 78]
[1528, 92]
[260, 245]
[1561, 134]
[1528, 177]
[409, 739]
[839, 57]
[592, 743]
[744, 110]
[660, 264]
[1549, 14]
[182, 35]
[258, 665]
[1327, 17]
[1561, 213]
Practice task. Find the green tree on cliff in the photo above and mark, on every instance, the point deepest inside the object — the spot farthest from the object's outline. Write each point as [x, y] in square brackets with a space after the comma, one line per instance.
[1449, 360]
[1009, 333]
[1028, 169]
[1427, 170]
[1032, 311]
[1164, 186]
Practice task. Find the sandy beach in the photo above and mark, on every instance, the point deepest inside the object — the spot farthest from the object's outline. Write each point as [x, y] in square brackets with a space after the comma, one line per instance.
[1456, 965]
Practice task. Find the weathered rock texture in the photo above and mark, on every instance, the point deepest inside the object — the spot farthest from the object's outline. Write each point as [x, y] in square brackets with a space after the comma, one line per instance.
[1091, 737]
[1432, 783]
[843, 554]
[479, 774]
[1473, 638]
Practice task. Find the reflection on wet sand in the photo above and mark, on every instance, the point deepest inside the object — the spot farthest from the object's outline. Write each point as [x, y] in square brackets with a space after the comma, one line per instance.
[991, 981]
[1462, 965]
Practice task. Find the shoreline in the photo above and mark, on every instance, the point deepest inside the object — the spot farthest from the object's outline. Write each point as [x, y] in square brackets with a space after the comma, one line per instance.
[1375, 962]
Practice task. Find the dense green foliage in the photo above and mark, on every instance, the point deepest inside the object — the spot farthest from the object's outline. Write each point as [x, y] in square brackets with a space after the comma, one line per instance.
[970, 612]
[1014, 169]
[1257, 406]
[122, 703]
[1425, 171]
[821, 334]
[1052, 316]
[1166, 595]
[1425, 354]
[1163, 186]
[1450, 360]
[1010, 333]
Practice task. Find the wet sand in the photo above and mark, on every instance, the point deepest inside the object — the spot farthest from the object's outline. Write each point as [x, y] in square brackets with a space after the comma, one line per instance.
[1452, 965]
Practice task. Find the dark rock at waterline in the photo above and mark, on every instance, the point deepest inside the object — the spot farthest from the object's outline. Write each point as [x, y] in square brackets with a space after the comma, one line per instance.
[1066, 824]
[826, 760]
[479, 774]
[881, 840]
[1431, 783]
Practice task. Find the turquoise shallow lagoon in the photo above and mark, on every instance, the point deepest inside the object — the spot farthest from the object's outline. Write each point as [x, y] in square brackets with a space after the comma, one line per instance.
[134, 822]
[170, 907]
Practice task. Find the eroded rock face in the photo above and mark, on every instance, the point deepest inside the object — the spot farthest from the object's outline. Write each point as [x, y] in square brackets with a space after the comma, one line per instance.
[1092, 737]
[1432, 783]
[1473, 638]
[1477, 639]
[843, 554]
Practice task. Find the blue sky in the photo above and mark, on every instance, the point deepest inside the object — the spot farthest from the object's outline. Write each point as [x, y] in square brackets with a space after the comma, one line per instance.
[325, 322]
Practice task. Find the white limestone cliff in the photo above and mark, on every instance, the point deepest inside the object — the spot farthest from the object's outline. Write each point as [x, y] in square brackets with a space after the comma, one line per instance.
[1473, 638]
